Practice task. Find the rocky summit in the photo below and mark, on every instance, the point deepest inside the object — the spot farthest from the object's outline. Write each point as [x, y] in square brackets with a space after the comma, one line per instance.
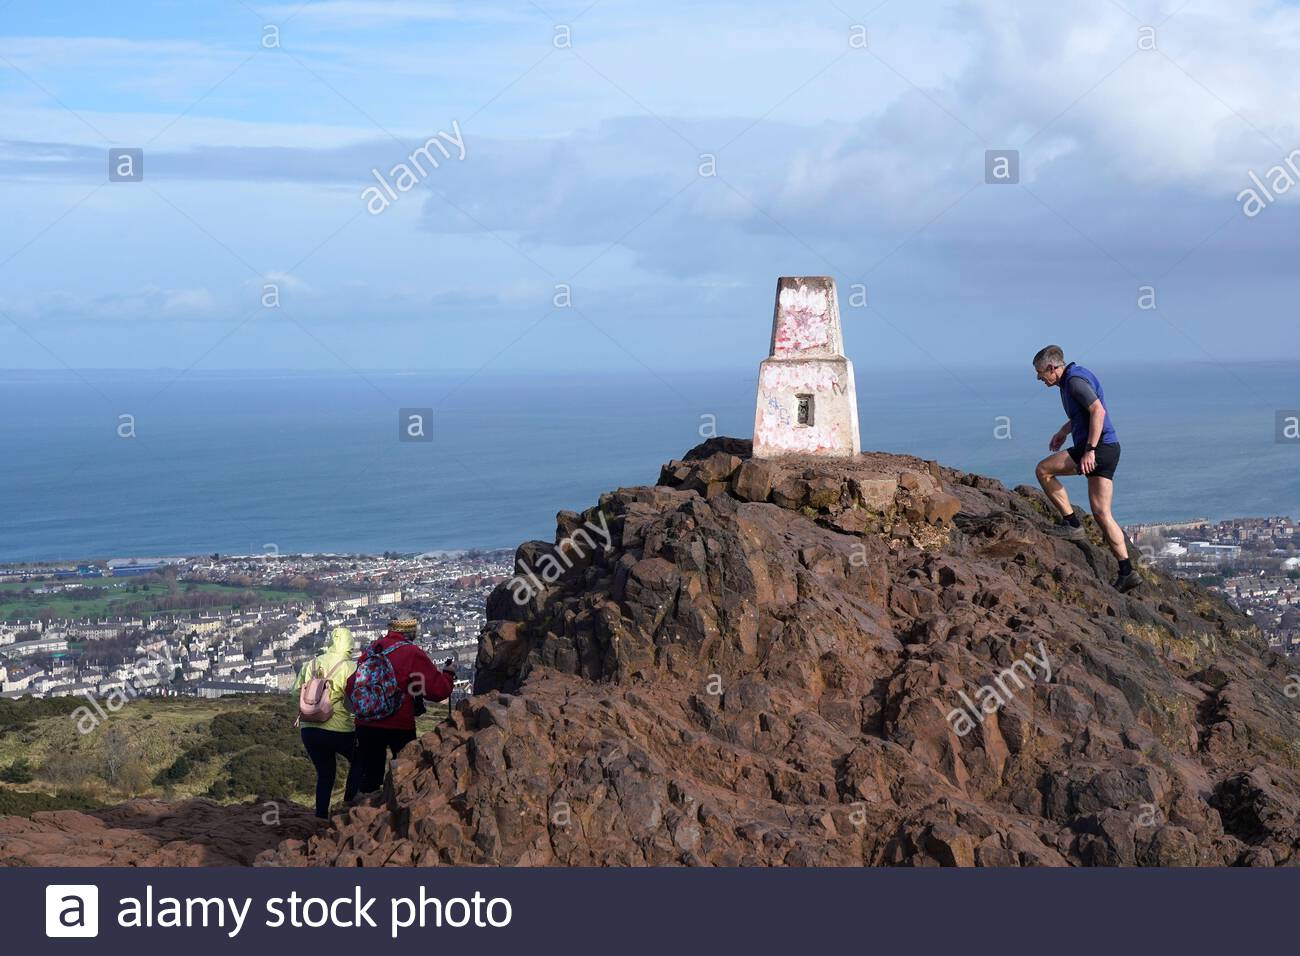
[764, 668]
[872, 661]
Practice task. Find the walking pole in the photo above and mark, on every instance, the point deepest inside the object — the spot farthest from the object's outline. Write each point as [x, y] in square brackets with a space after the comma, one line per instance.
[451, 698]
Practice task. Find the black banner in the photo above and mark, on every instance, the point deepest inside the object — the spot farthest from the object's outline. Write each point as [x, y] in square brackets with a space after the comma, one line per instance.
[648, 911]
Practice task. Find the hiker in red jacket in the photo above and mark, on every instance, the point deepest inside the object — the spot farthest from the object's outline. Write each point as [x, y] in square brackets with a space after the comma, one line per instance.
[419, 679]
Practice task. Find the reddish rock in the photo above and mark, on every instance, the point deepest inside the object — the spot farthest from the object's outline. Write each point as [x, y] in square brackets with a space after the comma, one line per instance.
[742, 683]
[790, 491]
[824, 492]
[941, 508]
[155, 833]
[753, 481]
[718, 467]
[875, 494]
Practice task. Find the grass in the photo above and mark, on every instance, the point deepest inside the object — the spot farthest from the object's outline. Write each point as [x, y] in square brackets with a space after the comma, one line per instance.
[150, 735]
[15, 608]
[252, 741]
[21, 803]
[160, 729]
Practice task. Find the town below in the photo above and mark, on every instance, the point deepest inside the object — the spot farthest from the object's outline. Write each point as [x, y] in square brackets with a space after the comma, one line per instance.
[1253, 562]
[217, 625]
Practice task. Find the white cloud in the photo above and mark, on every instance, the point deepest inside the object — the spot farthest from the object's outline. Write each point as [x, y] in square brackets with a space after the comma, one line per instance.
[1144, 162]
[146, 304]
[363, 13]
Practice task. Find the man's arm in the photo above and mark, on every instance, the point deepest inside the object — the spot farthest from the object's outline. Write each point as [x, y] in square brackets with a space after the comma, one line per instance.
[1096, 422]
[426, 680]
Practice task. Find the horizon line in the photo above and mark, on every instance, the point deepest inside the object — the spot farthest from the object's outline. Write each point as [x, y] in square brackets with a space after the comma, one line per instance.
[587, 369]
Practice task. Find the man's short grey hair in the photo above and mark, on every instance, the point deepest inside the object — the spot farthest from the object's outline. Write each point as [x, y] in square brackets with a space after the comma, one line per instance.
[1049, 357]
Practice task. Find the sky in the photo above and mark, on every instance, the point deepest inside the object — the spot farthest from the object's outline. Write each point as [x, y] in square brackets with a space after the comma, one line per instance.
[620, 184]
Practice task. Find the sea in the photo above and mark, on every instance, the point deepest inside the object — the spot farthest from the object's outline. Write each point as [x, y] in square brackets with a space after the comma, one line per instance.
[105, 464]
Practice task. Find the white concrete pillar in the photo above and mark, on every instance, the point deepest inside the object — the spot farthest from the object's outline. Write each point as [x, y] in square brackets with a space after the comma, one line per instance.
[807, 400]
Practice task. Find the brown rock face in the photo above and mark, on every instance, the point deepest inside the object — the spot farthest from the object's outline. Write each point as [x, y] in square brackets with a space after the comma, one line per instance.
[873, 661]
[153, 833]
[767, 668]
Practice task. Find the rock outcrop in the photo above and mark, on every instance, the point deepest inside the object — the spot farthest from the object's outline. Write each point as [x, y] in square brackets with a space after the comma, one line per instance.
[153, 833]
[764, 667]
[806, 662]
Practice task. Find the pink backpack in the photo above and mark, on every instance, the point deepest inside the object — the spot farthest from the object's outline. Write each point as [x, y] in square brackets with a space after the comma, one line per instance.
[314, 704]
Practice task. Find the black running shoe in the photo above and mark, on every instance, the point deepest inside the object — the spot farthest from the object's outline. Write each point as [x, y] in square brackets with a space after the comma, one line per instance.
[1127, 582]
[1063, 529]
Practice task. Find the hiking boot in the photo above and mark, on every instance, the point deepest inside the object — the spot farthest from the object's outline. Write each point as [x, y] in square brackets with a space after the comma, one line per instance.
[1127, 582]
[1063, 529]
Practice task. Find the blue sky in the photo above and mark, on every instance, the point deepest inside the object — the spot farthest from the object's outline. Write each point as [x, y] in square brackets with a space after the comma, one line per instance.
[261, 125]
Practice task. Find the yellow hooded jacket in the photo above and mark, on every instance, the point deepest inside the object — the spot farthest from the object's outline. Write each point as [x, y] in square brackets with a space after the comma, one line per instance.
[339, 651]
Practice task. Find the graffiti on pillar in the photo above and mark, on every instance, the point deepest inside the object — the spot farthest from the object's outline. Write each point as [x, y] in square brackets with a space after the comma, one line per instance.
[776, 414]
[801, 378]
[774, 432]
[804, 322]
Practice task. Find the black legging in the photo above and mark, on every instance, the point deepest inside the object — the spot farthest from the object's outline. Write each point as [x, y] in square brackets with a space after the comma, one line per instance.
[323, 747]
[372, 742]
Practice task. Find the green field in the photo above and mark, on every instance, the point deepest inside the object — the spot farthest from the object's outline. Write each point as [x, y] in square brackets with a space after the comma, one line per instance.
[129, 753]
[229, 749]
[16, 608]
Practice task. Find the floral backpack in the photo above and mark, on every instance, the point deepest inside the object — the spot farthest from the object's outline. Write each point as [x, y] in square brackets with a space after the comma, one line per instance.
[374, 694]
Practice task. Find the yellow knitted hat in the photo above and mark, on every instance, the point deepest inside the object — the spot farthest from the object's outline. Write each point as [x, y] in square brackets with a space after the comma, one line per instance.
[404, 624]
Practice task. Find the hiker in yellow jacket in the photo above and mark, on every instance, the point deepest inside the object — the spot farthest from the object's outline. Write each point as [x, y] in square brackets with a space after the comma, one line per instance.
[333, 733]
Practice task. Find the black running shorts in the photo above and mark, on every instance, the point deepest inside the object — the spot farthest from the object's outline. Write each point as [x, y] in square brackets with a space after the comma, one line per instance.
[1107, 458]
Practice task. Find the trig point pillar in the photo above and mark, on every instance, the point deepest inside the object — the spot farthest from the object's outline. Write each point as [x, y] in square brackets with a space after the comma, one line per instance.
[807, 401]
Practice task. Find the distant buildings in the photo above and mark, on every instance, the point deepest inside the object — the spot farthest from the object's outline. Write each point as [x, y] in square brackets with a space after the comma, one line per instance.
[1213, 552]
[42, 645]
[1253, 562]
[214, 652]
[223, 688]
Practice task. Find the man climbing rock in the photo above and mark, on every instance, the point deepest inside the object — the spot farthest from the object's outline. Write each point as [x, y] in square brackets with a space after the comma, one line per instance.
[1094, 453]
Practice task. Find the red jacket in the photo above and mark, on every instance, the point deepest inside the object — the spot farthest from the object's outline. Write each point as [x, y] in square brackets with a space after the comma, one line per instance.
[412, 667]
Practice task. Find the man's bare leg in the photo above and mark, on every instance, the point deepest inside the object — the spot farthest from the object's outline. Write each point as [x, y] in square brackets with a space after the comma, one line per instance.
[1051, 466]
[1100, 491]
